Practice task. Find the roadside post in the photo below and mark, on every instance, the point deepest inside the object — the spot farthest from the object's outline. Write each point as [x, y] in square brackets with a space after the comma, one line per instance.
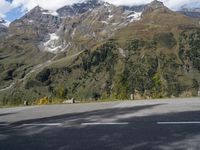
[132, 97]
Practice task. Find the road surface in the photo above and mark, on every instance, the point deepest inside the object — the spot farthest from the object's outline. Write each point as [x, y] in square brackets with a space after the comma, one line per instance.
[128, 125]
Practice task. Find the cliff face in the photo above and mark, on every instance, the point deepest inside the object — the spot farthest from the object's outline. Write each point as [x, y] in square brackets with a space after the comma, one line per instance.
[3, 28]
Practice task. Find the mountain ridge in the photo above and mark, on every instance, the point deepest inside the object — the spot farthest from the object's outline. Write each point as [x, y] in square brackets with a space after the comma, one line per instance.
[100, 51]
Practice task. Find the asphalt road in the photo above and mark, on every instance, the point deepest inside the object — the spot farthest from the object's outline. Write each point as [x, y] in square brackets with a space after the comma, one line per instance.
[128, 125]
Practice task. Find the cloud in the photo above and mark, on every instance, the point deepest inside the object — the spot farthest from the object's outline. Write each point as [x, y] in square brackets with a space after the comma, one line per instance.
[172, 4]
[177, 4]
[128, 2]
[6, 6]
[47, 4]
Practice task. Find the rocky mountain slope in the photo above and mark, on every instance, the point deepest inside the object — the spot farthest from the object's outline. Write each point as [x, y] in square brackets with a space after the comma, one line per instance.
[96, 50]
[3, 28]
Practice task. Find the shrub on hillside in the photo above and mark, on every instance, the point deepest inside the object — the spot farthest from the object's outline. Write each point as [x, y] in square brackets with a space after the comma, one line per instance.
[43, 101]
[165, 39]
[43, 75]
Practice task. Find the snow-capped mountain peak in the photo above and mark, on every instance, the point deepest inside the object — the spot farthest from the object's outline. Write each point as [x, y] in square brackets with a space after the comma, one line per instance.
[86, 19]
[49, 12]
[3, 22]
[40, 10]
[79, 8]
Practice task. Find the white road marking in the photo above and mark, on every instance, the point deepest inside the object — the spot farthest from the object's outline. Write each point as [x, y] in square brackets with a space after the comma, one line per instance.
[4, 124]
[43, 124]
[177, 123]
[108, 123]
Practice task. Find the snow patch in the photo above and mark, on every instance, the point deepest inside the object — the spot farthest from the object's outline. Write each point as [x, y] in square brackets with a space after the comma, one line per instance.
[51, 44]
[110, 16]
[73, 33]
[104, 22]
[135, 16]
[53, 36]
[122, 52]
[53, 13]
[106, 4]
[30, 21]
[48, 12]
[54, 45]
[109, 10]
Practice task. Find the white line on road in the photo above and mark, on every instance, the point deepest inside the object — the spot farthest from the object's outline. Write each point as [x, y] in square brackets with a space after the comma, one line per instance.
[43, 124]
[177, 123]
[4, 124]
[108, 123]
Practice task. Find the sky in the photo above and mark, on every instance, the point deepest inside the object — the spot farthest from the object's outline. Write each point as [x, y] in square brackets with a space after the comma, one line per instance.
[13, 9]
